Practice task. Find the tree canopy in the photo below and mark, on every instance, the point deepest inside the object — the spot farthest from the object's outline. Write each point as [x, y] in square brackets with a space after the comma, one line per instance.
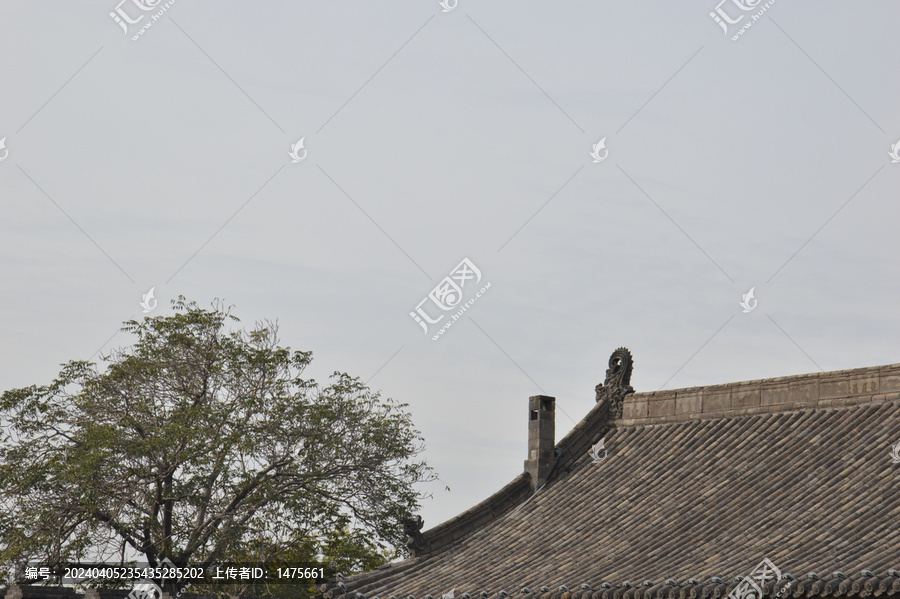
[202, 444]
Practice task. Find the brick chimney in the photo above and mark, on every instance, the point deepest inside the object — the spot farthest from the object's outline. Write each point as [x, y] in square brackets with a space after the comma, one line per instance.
[541, 438]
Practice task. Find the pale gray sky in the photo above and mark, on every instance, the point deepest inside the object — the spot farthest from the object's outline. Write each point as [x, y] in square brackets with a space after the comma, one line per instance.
[434, 136]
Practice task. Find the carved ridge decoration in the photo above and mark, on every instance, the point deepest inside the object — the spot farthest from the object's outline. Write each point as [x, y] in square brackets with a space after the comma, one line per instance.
[415, 541]
[618, 382]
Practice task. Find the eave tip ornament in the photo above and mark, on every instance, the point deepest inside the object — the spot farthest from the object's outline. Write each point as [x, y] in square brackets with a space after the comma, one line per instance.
[618, 382]
[415, 542]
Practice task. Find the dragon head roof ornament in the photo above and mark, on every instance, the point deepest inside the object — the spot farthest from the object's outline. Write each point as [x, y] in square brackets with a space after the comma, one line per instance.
[618, 382]
[413, 528]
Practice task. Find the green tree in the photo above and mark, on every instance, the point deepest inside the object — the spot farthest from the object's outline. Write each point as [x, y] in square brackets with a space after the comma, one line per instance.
[199, 443]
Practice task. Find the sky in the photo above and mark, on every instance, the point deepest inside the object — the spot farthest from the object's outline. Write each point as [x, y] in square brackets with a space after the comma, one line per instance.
[618, 173]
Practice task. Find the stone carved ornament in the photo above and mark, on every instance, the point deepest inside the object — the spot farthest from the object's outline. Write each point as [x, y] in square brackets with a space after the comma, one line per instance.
[618, 382]
[413, 529]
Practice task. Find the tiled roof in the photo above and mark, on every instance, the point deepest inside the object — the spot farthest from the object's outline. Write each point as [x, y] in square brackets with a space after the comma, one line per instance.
[686, 501]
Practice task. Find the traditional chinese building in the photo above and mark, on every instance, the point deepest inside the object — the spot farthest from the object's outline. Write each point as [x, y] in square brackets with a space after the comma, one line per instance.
[681, 494]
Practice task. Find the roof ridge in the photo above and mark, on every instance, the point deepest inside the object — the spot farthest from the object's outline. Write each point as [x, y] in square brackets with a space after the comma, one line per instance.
[575, 444]
[779, 394]
[668, 420]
